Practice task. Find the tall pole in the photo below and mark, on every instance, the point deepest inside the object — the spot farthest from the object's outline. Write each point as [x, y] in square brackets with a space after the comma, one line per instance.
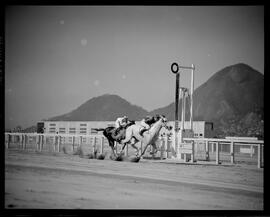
[176, 129]
[183, 92]
[191, 96]
[176, 102]
[175, 69]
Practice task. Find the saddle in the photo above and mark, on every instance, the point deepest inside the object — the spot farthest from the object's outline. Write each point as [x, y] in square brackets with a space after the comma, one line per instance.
[120, 133]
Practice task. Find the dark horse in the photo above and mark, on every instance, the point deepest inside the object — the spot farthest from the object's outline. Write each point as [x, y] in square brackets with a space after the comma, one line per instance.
[109, 133]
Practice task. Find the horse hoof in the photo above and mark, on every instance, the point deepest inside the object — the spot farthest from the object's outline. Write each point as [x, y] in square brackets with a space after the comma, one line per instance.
[91, 156]
[119, 158]
[135, 159]
[101, 156]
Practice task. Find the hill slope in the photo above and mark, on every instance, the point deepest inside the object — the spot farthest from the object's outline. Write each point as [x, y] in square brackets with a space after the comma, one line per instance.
[103, 108]
[234, 90]
[230, 94]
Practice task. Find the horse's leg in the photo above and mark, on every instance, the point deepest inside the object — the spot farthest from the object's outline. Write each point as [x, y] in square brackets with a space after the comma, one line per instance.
[122, 149]
[154, 145]
[144, 149]
[133, 142]
[111, 144]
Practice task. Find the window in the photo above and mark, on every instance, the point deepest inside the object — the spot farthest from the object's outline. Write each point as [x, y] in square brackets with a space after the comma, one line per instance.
[82, 130]
[62, 130]
[52, 124]
[72, 130]
[83, 125]
[201, 134]
[52, 130]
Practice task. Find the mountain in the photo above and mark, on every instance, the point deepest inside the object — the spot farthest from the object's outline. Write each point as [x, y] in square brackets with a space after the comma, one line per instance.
[103, 108]
[233, 98]
[230, 94]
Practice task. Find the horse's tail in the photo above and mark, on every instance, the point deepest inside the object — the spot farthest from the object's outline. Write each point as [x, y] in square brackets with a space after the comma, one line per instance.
[98, 129]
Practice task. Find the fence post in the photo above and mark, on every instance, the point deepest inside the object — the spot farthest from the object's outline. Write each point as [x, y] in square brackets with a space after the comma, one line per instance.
[217, 153]
[167, 146]
[94, 146]
[21, 138]
[162, 148]
[232, 152]
[251, 151]
[207, 158]
[8, 140]
[102, 145]
[259, 155]
[58, 143]
[41, 143]
[24, 141]
[80, 144]
[54, 143]
[73, 141]
[192, 153]
[37, 142]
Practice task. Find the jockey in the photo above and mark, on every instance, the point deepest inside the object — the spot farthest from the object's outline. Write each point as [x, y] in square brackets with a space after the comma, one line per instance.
[146, 123]
[120, 123]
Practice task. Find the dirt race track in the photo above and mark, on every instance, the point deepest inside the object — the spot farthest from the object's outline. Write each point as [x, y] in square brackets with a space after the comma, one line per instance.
[60, 181]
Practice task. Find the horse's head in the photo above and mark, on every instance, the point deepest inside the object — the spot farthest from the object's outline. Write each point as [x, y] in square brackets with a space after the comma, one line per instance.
[161, 118]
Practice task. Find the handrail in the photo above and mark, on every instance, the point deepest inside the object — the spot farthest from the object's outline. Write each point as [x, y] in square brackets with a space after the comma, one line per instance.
[226, 140]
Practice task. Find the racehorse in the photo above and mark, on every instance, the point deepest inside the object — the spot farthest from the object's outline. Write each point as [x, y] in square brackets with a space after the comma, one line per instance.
[148, 138]
[109, 134]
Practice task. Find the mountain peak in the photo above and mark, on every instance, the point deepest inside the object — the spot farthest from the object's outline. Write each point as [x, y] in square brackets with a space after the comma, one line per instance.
[107, 107]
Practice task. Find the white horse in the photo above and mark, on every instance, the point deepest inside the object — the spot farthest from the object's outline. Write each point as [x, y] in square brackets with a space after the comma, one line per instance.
[149, 137]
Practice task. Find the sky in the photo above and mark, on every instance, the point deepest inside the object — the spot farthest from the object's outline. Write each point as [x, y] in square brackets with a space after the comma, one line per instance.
[58, 57]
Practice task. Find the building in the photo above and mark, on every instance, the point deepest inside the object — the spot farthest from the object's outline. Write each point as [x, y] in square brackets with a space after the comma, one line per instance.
[202, 129]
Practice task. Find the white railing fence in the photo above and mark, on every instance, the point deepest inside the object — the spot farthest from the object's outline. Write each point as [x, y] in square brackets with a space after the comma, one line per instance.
[246, 150]
[206, 149]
